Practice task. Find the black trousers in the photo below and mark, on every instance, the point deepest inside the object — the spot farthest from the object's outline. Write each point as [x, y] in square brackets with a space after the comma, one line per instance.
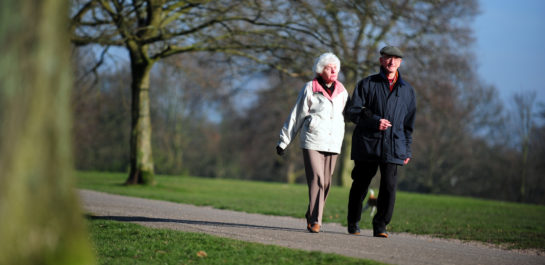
[362, 174]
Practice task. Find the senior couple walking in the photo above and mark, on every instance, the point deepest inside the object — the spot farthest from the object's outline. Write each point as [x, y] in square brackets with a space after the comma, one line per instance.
[383, 108]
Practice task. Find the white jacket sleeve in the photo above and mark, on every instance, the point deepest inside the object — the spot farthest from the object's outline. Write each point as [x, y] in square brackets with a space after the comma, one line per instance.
[295, 120]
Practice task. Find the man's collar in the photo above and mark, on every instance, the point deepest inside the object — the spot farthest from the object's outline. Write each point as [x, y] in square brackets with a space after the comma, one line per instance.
[383, 75]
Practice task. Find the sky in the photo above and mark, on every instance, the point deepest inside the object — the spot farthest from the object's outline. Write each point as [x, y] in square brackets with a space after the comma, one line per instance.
[510, 46]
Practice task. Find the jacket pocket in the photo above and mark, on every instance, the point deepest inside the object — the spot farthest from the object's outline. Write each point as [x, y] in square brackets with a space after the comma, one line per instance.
[312, 131]
[370, 143]
[307, 124]
[400, 146]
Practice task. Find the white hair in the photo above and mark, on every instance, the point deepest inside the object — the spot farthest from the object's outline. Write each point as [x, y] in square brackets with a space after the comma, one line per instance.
[324, 60]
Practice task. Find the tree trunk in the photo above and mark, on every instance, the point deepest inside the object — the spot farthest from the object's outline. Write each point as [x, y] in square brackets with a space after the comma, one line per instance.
[346, 163]
[525, 145]
[40, 218]
[141, 159]
[291, 176]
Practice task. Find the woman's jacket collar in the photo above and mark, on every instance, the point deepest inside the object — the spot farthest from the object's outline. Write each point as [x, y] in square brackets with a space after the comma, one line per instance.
[317, 88]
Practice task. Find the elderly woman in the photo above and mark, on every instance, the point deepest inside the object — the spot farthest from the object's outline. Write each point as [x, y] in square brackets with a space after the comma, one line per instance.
[318, 114]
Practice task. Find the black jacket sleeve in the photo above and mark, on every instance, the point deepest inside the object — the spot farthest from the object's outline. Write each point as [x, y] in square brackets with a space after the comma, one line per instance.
[408, 123]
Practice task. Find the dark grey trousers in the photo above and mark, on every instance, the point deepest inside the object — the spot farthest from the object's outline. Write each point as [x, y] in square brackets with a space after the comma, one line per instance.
[362, 174]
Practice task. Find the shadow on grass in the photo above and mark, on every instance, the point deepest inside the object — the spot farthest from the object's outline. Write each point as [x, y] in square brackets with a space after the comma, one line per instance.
[192, 222]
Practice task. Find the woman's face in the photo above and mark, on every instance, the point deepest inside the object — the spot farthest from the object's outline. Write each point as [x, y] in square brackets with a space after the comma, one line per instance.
[329, 74]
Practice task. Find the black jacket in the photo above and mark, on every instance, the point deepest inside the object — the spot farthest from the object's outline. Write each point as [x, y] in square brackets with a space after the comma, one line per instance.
[372, 101]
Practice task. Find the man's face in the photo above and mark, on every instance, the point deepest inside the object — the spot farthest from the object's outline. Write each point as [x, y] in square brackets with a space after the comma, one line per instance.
[390, 63]
[329, 74]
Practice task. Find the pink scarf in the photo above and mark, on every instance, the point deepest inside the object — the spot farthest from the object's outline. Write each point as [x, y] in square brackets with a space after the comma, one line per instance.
[316, 87]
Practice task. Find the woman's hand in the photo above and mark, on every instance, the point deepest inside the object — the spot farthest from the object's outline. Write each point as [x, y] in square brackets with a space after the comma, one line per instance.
[279, 150]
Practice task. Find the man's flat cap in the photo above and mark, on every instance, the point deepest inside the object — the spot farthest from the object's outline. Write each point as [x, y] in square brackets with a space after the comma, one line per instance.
[392, 51]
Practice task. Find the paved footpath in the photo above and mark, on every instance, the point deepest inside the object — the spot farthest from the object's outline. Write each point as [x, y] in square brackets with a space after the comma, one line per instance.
[291, 232]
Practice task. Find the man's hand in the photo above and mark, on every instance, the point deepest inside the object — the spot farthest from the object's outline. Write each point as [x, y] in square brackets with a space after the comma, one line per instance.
[279, 150]
[406, 160]
[384, 124]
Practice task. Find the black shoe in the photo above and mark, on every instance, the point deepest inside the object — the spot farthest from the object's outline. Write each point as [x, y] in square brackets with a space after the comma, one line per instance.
[353, 229]
[380, 232]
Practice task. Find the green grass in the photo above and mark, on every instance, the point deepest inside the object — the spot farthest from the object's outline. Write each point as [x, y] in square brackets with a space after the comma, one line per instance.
[126, 243]
[508, 224]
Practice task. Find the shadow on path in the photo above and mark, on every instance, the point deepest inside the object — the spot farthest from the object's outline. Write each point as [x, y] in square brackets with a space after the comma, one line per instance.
[193, 222]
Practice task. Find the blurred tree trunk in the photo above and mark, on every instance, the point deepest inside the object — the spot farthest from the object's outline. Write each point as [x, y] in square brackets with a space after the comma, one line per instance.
[291, 176]
[40, 219]
[346, 164]
[524, 103]
[293, 172]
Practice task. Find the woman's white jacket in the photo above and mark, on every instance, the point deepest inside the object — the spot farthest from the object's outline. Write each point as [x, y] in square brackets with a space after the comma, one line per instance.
[320, 118]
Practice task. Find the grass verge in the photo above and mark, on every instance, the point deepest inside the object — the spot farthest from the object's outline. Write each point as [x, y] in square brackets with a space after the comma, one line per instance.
[126, 243]
[511, 225]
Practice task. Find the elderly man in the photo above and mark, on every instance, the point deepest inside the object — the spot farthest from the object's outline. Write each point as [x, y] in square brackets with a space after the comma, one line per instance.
[383, 108]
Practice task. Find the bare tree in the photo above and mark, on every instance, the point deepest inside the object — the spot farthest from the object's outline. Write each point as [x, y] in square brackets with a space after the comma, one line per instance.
[523, 117]
[186, 104]
[454, 109]
[151, 30]
[41, 222]
[536, 184]
[101, 107]
[256, 130]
